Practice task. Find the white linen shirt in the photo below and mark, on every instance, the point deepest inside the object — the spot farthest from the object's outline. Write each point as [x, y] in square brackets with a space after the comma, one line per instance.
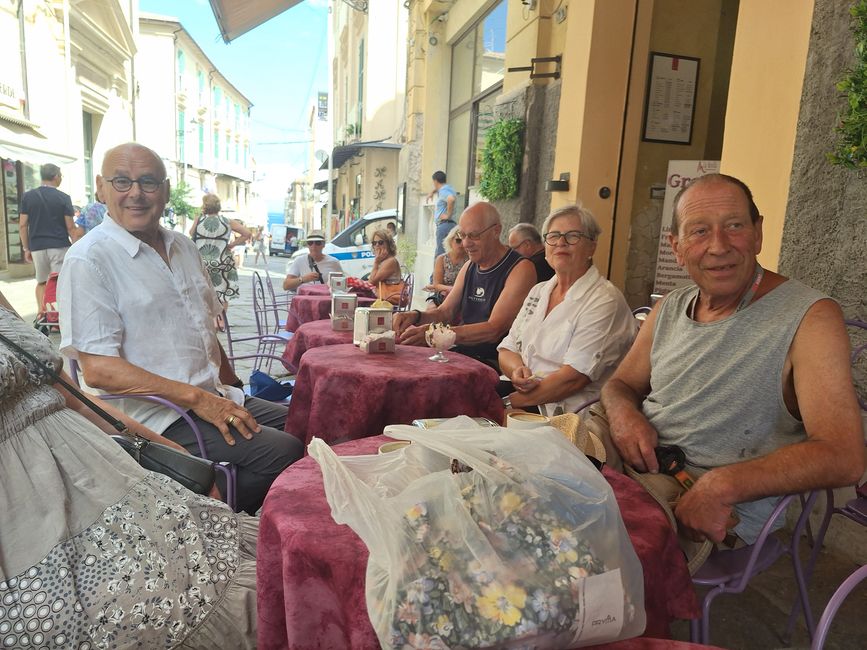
[591, 331]
[301, 266]
[119, 299]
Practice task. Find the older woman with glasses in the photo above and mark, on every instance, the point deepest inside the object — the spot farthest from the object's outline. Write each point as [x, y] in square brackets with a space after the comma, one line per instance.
[572, 330]
[447, 266]
[386, 269]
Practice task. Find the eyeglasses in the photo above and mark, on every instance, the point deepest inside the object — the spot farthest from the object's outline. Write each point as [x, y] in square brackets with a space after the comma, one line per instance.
[124, 184]
[316, 243]
[572, 237]
[475, 236]
[518, 245]
[458, 240]
[378, 242]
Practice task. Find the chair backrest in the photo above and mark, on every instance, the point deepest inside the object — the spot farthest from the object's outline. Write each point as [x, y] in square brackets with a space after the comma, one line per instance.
[264, 310]
[641, 314]
[858, 576]
[405, 301]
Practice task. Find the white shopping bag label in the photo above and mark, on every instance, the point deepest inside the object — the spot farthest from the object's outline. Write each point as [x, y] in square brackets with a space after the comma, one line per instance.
[601, 608]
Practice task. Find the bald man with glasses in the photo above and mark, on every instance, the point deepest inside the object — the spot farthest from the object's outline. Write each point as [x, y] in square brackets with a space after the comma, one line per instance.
[487, 294]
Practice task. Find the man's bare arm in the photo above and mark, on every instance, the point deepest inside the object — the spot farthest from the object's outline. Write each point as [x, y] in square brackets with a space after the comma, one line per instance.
[410, 326]
[832, 455]
[622, 396]
[24, 235]
[116, 375]
[518, 285]
[72, 229]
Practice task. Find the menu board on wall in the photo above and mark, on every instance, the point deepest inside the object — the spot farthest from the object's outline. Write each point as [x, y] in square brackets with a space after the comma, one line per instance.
[670, 103]
[669, 275]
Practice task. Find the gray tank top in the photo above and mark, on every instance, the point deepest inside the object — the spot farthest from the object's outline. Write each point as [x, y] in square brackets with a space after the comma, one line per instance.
[716, 388]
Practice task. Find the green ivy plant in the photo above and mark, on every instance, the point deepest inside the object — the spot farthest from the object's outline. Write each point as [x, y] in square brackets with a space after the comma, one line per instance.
[501, 160]
[850, 150]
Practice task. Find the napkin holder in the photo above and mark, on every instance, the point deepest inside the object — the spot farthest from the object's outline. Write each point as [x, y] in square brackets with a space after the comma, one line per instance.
[343, 305]
[370, 320]
[378, 343]
[336, 282]
[341, 323]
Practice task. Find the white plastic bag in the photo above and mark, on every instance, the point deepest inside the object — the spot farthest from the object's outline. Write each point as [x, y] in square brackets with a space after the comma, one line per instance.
[525, 549]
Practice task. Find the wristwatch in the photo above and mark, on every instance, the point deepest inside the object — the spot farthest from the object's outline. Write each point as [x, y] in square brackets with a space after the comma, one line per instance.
[507, 402]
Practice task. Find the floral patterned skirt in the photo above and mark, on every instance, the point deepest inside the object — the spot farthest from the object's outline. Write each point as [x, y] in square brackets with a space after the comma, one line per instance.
[97, 553]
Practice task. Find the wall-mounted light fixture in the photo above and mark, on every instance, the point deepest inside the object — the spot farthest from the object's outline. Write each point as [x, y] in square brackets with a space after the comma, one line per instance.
[561, 185]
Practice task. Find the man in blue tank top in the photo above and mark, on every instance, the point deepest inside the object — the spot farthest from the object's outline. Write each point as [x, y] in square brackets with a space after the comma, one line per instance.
[747, 372]
[487, 294]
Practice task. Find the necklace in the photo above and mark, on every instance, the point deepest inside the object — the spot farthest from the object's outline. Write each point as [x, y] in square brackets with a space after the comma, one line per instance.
[746, 299]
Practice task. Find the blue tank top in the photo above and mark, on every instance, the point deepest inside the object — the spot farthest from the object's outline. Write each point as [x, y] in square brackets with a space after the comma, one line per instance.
[482, 289]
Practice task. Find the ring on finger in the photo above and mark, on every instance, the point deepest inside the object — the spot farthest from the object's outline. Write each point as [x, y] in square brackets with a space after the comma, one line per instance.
[231, 420]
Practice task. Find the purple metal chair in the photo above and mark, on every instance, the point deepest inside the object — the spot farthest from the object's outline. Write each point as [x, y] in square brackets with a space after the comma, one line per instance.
[260, 339]
[405, 301]
[281, 303]
[227, 469]
[834, 604]
[730, 571]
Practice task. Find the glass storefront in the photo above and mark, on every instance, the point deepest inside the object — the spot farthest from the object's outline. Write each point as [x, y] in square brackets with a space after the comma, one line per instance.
[478, 68]
[18, 177]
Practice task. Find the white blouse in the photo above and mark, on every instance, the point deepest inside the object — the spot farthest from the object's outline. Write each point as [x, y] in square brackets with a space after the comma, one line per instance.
[591, 331]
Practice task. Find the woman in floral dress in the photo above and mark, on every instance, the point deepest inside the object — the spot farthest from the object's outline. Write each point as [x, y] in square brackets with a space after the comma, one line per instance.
[213, 234]
[96, 552]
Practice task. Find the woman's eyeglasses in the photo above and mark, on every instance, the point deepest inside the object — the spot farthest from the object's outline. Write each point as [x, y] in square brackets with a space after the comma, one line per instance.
[378, 242]
[458, 240]
[571, 237]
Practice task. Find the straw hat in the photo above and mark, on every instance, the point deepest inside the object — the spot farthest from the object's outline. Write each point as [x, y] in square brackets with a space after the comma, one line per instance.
[586, 441]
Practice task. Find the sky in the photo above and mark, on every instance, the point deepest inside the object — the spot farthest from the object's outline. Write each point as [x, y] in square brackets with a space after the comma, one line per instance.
[279, 66]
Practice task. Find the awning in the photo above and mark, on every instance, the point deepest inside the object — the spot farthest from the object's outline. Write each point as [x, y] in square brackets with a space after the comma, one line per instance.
[28, 145]
[323, 185]
[16, 119]
[341, 154]
[236, 17]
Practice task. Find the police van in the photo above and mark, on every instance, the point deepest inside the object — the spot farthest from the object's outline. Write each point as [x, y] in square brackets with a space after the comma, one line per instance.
[351, 246]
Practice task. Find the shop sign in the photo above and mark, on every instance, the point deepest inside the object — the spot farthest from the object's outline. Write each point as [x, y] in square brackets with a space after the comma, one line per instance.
[669, 275]
[10, 95]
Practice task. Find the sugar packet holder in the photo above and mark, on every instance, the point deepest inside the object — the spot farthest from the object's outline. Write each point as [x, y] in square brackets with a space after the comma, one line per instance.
[378, 343]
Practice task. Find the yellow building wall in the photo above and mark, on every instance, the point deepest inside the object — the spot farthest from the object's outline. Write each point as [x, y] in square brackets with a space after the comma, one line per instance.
[762, 114]
[592, 101]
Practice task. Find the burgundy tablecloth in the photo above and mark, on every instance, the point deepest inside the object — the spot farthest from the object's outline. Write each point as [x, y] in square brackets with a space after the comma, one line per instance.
[313, 290]
[315, 334]
[304, 309]
[311, 572]
[342, 393]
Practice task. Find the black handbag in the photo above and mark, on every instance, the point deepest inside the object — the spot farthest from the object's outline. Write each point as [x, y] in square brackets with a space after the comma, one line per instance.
[194, 473]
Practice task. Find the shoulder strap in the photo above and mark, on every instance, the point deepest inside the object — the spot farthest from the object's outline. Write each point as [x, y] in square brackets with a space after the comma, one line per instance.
[48, 370]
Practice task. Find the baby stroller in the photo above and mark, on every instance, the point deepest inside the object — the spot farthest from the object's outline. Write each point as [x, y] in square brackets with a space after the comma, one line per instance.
[48, 319]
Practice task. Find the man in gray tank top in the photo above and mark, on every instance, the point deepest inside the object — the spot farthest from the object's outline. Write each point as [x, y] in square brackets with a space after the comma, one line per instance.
[747, 372]
[487, 294]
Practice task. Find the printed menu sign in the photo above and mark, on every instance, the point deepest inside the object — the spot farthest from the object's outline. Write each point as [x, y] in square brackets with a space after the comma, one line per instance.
[669, 275]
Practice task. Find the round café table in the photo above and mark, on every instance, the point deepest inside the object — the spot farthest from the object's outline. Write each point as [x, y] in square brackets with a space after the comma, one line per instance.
[342, 393]
[315, 334]
[306, 308]
[310, 289]
[310, 571]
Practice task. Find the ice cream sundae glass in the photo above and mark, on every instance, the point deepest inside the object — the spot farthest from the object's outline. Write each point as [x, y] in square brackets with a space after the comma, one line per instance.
[441, 337]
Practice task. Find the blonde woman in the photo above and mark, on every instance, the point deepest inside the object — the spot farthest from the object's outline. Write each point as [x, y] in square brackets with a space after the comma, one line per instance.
[385, 275]
[213, 234]
[446, 267]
